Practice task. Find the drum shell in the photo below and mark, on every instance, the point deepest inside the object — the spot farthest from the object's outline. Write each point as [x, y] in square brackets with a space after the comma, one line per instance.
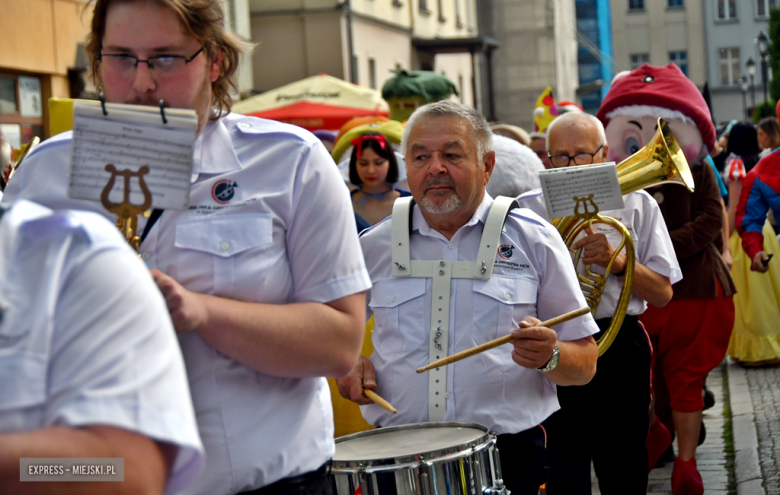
[469, 468]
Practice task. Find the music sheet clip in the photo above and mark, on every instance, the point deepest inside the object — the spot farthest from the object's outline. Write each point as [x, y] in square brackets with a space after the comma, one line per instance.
[581, 189]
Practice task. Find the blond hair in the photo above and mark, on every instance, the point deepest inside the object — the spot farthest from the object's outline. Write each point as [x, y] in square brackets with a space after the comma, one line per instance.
[202, 19]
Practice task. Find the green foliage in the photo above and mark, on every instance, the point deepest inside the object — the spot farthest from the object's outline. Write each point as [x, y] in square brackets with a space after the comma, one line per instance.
[765, 109]
[774, 52]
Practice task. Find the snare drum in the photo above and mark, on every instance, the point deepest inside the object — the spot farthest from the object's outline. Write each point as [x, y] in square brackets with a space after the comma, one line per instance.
[441, 458]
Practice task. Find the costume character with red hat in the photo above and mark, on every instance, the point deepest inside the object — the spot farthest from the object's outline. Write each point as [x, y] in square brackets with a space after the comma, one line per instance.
[690, 334]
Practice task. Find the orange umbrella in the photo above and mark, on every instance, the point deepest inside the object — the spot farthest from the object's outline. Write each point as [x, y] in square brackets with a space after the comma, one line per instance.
[317, 102]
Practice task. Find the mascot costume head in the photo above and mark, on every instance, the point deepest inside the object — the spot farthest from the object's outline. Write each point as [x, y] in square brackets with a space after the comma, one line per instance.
[638, 98]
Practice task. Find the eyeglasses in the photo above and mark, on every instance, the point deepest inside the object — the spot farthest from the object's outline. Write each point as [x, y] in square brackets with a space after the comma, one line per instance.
[122, 63]
[579, 159]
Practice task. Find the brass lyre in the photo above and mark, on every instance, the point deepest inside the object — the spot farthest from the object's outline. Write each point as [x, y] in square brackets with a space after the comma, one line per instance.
[127, 213]
[660, 161]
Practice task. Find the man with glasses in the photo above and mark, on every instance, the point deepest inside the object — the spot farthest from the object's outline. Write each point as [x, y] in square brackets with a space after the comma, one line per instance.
[616, 402]
[263, 274]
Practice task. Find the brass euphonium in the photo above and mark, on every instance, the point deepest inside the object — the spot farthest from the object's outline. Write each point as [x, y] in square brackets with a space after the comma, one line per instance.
[660, 161]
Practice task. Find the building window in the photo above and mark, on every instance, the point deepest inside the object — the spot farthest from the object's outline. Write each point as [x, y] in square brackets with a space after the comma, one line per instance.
[21, 108]
[727, 9]
[639, 59]
[675, 4]
[458, 17]
[469, 15]
[636, 5]
[460, 88]
[372, 73]
[729, 66]
[681, 59]
[355, 69]
[424, 7]
[763, 6]
[440, 5]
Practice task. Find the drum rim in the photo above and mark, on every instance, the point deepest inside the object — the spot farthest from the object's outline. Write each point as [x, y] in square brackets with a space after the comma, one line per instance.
[485, 438]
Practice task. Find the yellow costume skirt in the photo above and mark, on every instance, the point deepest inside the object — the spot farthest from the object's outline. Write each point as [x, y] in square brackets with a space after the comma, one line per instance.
[346, 414]
[756, 335]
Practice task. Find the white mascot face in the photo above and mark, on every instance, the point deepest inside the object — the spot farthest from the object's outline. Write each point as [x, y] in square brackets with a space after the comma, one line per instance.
[627, 134]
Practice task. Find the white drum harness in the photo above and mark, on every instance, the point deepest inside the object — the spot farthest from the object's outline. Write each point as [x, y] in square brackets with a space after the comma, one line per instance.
[442, 272]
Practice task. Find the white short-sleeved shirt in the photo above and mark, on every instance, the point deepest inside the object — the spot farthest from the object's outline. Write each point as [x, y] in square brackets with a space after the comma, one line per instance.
[270, 221]
[654, 248]
[85, 337]
[533, 276]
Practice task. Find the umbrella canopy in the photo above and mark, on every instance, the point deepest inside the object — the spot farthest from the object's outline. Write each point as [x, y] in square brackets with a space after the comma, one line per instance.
[317, 102]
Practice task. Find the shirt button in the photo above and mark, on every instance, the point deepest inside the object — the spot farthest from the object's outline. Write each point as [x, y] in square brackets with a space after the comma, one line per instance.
[447, 395]
[225, 246]
[392, 298]
[507, 296]
[452, 246]
[244, 125]
[145, 256]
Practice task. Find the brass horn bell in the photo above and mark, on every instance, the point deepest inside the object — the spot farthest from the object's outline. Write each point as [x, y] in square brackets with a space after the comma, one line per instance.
[660, 161]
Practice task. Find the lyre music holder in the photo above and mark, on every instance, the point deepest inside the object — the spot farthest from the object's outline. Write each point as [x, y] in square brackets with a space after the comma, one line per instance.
[127, 213]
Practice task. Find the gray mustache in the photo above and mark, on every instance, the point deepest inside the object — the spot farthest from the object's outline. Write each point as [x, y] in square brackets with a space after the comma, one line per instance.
[439, 182]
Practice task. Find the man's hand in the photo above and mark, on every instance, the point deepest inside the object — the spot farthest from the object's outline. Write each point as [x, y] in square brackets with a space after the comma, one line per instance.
[186, 310]
[598, 251]
[363, 375]
[534, 345]
[758, 262]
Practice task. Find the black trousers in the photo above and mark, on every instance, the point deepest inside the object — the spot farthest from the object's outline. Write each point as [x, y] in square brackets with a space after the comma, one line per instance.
[313, 483]
[605, 421]
[523, 460]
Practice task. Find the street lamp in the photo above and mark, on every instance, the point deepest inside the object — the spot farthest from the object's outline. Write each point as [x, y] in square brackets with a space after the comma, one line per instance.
[763, 48]
[751, 68]
[743, 86]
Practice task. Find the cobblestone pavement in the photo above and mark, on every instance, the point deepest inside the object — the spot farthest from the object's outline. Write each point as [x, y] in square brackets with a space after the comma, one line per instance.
[710, 456]
[764, 384]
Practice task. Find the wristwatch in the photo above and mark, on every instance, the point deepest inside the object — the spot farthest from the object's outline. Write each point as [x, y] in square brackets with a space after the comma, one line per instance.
[553, 362]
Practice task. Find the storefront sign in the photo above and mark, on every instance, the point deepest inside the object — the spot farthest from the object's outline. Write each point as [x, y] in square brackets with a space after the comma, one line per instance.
[30, 96]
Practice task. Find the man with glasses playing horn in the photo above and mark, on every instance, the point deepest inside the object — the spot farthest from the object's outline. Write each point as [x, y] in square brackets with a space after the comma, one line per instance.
[263, 275]
[419, 319]
[615, 403]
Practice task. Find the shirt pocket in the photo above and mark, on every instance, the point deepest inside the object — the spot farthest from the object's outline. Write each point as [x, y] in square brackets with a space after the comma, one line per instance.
[210, 248]
[393, 301]
[497, 301]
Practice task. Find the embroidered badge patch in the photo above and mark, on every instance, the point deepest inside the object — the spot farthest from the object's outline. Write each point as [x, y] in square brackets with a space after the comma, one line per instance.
[223, 190]
[505, 251]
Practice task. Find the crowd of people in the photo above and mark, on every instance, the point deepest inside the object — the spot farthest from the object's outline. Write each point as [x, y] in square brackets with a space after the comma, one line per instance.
[435, 229]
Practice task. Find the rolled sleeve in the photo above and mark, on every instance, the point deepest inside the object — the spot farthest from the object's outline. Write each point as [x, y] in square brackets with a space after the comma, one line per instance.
[115, 360]
[559, 290]
[325, 254]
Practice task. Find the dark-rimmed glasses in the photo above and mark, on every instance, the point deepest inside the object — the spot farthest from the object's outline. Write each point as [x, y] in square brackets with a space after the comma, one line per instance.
[121, 63]
[559, 161]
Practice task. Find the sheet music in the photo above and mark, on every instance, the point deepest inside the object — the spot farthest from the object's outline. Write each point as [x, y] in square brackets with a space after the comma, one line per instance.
[561, 185]
[129, 138]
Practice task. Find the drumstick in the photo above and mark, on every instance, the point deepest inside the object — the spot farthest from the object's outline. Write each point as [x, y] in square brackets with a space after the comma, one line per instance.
[501, 341]
[374, 397]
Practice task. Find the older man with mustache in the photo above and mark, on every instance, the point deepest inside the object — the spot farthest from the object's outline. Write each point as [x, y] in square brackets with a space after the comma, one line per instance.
[423, 316]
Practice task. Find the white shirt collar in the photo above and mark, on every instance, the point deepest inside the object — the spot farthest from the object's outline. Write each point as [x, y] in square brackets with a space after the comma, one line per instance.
[480, 215]
[217, 156]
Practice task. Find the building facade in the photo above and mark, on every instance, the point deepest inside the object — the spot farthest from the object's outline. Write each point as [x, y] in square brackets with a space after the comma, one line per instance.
[362, 41]
[732, 28]
[39, 58]
[659, 32]
[538, 49]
